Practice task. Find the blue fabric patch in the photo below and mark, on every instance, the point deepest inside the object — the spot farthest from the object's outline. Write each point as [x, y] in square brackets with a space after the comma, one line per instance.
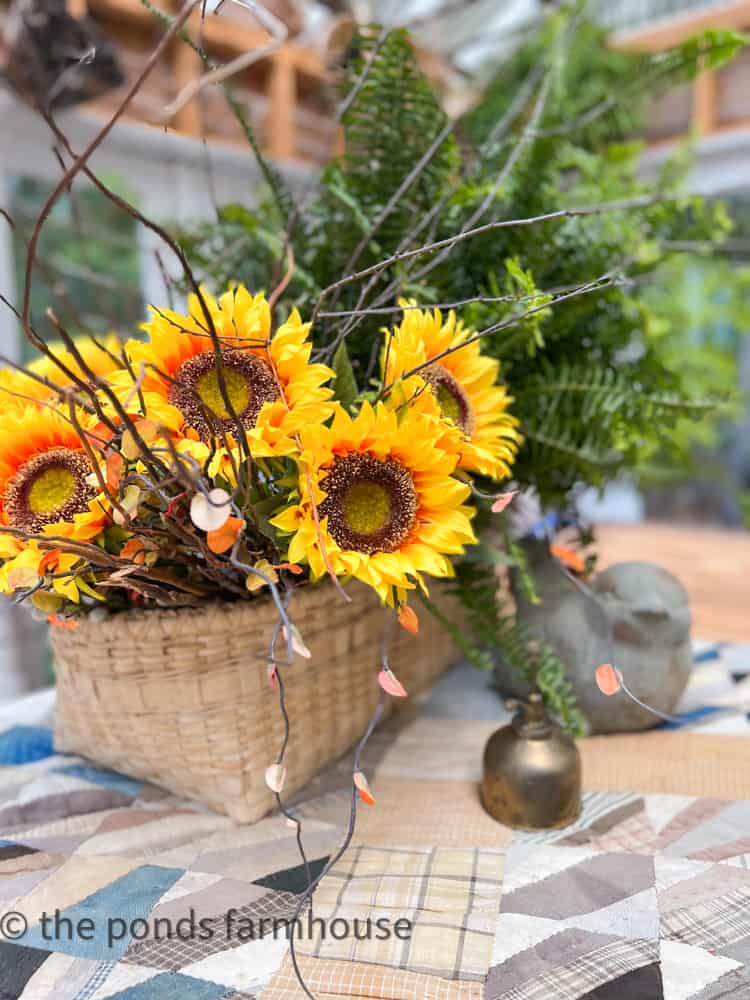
[173, 986]
[110, 912]
[25, 744]
[109, 779]
[685, 718]
[714, 653]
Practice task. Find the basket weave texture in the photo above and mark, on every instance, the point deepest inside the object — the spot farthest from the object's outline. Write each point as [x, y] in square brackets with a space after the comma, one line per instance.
[182, 698]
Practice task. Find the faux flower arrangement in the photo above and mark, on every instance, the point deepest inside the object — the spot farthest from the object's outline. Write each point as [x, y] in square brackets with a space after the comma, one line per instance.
[213, 459]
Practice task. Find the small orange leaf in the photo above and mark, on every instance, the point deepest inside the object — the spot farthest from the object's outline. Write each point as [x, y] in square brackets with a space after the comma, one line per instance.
[292, 567]
[272, 678]
[224, 537]
[99, 436]
[568, 558]
[134, 550]
[502, 501]
[407, 618]
[391, 684]
[608, 679]
[363, 788]
[115, 468]
[59, 622]
[49, 561]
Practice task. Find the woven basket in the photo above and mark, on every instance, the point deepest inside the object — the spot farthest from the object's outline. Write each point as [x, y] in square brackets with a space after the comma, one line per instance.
[182, 698]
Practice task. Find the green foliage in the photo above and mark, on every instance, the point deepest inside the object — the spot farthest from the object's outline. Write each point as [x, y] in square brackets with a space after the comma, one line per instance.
[494, 629]
[698, 307]
[87, 246]
[403, 182]
[565, 302]
[344, 384]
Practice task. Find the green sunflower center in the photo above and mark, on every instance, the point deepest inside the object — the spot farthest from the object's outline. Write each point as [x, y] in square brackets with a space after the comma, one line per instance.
[449, 405]
[366, 507]
[49, 487]
[196, 391]
[371, 505]
[236, 387]
[451, 398]
[52, 489]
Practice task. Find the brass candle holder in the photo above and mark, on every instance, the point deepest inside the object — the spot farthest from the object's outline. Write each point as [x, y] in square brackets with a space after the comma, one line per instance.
[532, 771]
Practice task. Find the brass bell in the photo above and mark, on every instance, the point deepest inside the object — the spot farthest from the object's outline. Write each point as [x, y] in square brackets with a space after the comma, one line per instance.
[532, 771]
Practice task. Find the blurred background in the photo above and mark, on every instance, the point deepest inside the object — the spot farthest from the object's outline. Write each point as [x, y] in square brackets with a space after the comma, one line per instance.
[97, 263]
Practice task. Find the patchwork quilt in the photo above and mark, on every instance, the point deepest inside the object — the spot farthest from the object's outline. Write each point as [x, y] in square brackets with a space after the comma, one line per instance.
[112, 888]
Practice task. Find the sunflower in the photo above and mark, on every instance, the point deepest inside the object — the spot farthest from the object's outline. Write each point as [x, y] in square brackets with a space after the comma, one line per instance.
[45, 478]
[461, 387]
[17, 387]
[388, 506]
[268, 380]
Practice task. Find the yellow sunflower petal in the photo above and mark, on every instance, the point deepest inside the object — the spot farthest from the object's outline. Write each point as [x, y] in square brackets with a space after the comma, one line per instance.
[461, 388]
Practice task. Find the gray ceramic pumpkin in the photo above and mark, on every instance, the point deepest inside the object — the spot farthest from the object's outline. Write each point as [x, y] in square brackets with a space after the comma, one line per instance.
[634, 615]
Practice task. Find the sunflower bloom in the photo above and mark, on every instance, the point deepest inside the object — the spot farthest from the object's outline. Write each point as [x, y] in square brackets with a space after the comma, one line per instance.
[388, 506]
[268, 380]
[45, 480]
[461, 388]
[19, 388]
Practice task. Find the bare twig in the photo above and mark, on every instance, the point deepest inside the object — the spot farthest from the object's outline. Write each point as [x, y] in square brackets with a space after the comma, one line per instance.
[617, 205]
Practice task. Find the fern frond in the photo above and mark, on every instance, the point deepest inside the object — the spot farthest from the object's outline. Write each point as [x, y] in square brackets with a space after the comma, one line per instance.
[495, 631]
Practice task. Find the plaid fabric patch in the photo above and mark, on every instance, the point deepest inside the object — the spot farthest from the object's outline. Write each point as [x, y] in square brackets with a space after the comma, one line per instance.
[213, 934]
[328, 980]
[573, 981]
[98, 978]
[712, 923]
[449, 897]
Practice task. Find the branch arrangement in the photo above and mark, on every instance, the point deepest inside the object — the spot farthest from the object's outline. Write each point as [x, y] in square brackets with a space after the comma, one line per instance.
[453, 304]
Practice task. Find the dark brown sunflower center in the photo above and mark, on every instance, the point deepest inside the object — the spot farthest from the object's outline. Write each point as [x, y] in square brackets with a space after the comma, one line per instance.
[371, 505]
[49, 487]
[197, 392]
[451, 398]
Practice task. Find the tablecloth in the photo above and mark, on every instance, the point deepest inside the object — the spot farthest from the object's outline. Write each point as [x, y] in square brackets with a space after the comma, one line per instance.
[110, 887]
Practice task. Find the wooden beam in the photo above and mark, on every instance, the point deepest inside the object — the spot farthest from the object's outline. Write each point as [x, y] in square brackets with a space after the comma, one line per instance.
[668, 32]
[705, 96]
[187, 65]
[218, 32]
[282, 104]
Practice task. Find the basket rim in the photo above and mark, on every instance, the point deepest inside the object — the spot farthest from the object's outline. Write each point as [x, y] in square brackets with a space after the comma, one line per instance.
[149, 620]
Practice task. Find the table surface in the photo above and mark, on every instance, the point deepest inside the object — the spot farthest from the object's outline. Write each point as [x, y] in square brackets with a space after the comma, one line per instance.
[646, 896]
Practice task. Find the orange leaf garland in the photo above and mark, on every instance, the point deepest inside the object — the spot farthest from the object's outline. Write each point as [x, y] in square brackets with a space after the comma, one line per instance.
[572, 560]
[502, 501]
[407, 619]
[58, 622]
[211, 511]
[224, 537]
[391, 684]
[608, 679]
[363, 788]
[298, 643]
[275, 777]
